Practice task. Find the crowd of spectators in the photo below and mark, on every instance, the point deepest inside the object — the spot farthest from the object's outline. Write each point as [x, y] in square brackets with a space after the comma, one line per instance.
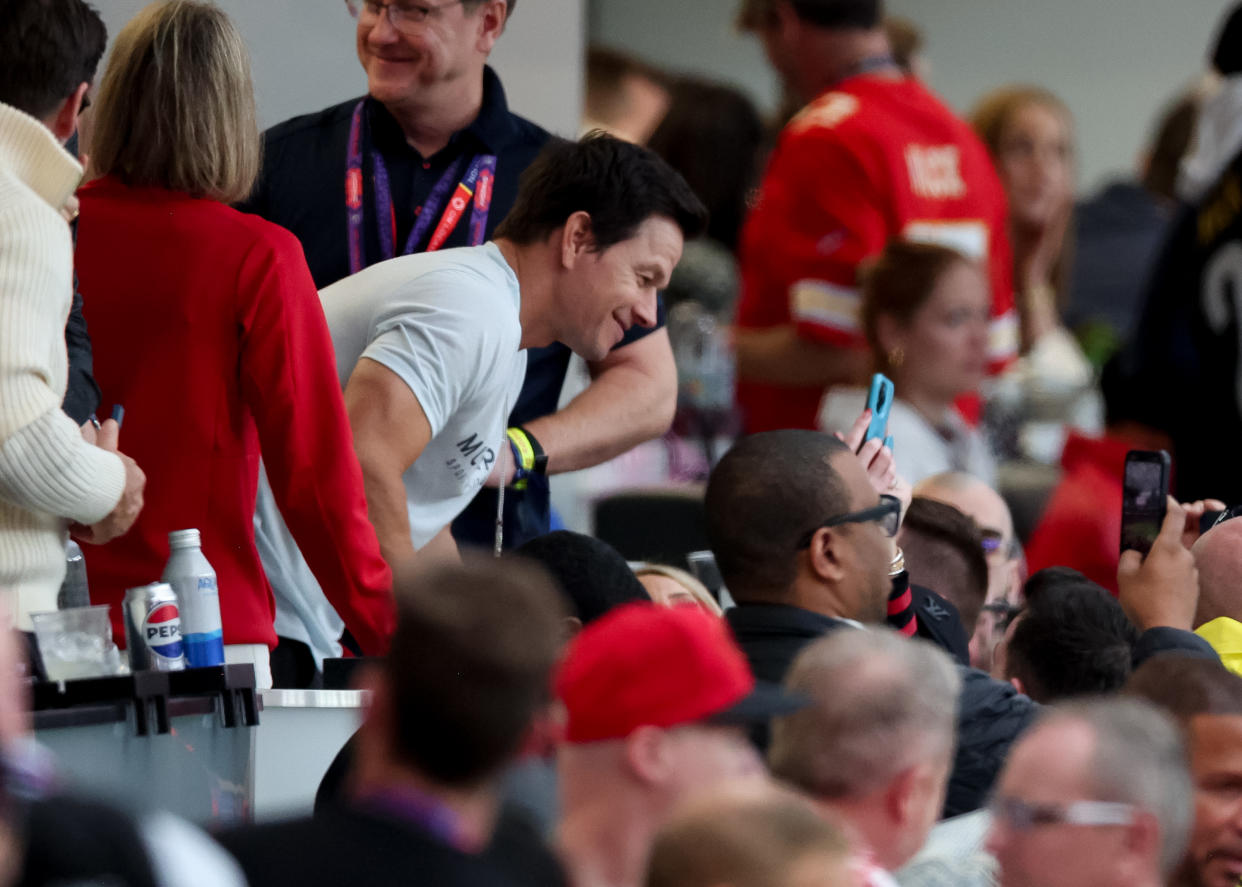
[920, 657]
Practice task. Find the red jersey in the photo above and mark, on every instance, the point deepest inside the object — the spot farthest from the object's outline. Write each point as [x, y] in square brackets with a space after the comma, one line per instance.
[869, 160]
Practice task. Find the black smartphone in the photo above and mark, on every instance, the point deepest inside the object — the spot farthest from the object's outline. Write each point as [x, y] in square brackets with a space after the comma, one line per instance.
[1144, 499]
[703, 565]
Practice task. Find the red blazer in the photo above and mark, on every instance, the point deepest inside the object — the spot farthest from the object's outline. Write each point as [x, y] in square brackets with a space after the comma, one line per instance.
[208, 329]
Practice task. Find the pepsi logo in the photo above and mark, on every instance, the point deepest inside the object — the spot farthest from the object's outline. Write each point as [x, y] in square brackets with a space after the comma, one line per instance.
[353, 189]
[162, 630]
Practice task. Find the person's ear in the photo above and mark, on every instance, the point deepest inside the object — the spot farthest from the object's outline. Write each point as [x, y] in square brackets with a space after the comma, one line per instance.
[64, 120]
[1018, 685]
[786, 20]
[374, 739]
[492, 19]
[827, 554]
[1142, 841]
[576, 239]
[648, 756]
[380, 716]
[902, 797]
[889, 334]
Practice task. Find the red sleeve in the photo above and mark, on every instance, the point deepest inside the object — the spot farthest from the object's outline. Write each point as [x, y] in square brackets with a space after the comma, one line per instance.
[824, 219]
[289, 382]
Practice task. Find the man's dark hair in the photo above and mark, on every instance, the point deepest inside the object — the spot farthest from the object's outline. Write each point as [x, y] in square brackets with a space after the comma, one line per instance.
[1186, 686]
[47, 49]
[944, 552]
[761, 498]
[1073, 639]
[618, 184]
[835, 14]
[593, 575]
[470, 665]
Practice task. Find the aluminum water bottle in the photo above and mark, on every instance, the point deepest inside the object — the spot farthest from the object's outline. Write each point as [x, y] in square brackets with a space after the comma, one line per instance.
[73, 591]
[194, 581]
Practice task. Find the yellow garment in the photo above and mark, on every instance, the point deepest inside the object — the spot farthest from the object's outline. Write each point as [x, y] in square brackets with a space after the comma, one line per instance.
[1225, 636]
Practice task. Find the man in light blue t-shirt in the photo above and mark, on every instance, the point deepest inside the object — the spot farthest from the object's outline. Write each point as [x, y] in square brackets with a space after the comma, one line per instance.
[430, 347]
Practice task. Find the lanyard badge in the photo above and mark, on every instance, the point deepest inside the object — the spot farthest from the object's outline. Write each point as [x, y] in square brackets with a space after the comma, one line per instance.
[446, 201]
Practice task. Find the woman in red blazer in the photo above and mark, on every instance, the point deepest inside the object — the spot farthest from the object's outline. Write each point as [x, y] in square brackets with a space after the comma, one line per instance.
[208, 329]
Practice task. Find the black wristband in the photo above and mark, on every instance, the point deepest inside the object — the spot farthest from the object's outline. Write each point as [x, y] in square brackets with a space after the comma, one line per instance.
[541, 458]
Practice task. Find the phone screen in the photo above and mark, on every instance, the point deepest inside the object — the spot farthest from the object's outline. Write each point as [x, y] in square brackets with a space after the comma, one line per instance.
[1144, 501]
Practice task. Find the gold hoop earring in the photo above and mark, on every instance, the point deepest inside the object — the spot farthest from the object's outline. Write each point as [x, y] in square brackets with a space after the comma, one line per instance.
[896, 357]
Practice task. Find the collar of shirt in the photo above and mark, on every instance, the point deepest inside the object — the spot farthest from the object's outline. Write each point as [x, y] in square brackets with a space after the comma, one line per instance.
[754, 620]
[489, 132]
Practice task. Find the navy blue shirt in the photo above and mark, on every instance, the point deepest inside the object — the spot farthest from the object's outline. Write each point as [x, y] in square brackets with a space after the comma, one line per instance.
[302, 188]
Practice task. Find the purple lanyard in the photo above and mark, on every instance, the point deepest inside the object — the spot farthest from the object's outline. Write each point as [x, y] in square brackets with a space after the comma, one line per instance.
[475, 186]
[420, 810]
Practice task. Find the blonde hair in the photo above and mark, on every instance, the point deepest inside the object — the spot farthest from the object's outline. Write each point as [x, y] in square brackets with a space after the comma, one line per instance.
[992, 114]
[176, 106]
[696, 589]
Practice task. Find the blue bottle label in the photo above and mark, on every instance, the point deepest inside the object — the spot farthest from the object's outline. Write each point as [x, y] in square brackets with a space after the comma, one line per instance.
[204, 650]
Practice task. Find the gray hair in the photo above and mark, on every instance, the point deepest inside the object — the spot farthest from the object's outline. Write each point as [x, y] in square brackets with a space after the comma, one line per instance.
[880, 704]
[1140, 759]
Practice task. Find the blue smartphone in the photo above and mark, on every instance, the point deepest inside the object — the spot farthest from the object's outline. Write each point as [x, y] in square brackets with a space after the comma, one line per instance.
[879, 401]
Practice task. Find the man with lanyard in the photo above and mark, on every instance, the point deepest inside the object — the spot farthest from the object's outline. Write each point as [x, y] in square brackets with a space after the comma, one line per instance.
[872, 157]
[423, 804]
[367, 180]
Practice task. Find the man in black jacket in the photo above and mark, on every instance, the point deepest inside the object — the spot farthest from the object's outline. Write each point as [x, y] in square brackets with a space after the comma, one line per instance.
[470, 667]
[792, 519]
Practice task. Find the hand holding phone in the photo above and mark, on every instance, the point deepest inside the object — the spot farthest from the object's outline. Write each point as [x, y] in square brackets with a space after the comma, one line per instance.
[880, 402]
[1144, 498]
[1161, 589]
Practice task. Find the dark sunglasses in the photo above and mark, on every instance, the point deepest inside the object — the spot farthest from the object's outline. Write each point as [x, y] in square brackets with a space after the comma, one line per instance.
[887, 514]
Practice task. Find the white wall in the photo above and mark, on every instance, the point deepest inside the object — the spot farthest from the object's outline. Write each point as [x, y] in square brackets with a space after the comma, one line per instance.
[303, 55]
[1115, 62]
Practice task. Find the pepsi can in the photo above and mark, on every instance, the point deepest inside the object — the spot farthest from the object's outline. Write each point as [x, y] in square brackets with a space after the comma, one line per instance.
[153, 628]
[194, 581]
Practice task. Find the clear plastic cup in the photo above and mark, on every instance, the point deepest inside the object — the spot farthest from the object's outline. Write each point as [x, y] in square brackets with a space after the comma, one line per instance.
[76, 643]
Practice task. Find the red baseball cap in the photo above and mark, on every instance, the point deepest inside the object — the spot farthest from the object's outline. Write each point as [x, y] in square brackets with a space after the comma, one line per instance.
[646, 665]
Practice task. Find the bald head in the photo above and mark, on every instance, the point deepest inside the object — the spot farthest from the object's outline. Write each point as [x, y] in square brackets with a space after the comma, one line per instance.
[1218, 555]
[760, 836]
[970, 496]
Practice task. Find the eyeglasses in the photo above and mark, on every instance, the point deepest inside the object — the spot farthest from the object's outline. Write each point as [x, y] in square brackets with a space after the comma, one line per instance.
[887, 514]
[1023, 816]
[402, 16]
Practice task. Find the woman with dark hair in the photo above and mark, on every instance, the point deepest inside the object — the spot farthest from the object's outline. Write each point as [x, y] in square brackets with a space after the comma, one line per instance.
[711, 135]
[925, 314]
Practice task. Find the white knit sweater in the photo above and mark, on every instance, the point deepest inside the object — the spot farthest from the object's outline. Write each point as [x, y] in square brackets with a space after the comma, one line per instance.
[48, 473]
